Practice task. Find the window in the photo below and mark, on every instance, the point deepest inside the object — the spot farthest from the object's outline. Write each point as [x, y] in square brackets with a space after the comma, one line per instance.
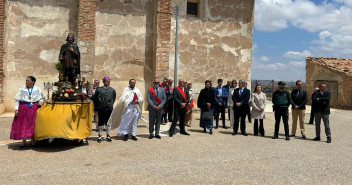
[192, 9]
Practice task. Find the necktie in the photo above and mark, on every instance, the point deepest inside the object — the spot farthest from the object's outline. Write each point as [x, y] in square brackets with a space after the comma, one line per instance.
[156, 89]
[240, 92]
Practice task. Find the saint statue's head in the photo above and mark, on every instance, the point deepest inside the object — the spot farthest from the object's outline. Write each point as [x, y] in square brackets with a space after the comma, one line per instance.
[70, 38]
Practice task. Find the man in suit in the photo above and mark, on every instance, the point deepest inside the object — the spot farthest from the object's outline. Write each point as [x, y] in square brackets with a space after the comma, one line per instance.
[240, 99]
[166, 87]
[299, 100]
[221, 100]
[281, 101]
[181, 101]
[321, 98]
[311, 119]
[156, 97]
[227, 87]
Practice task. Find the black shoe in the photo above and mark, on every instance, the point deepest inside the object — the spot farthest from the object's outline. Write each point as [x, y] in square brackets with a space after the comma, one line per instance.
[249, 121]
[316, 139]
[287, 138]
[211, 132]
[171, 133]
[204, 130]
[274, 137]
[108, 138]
[329, 140]
[263, 135]
[234, 133]
[292, 135]
[151, 137]
[158, 136]
[225, 127]
[255, 134]
[310, 123]
[99, 138]
[185, 133]
[216, 127]
[304, 136]
[134, 138]
[126, 137]
[245, 134]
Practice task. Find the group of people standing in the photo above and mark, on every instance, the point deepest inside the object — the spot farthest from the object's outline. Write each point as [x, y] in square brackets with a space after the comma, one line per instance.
[177, 105]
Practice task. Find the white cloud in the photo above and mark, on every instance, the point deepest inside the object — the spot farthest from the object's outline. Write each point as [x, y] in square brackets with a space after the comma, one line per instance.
[330, 20]
[264, 59]
[297, 55]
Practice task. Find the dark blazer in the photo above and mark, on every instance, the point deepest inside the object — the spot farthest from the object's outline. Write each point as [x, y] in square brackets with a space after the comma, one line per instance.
[244, 98]
[206, 96]
[299, 99]
[179, 98]
[322, 101]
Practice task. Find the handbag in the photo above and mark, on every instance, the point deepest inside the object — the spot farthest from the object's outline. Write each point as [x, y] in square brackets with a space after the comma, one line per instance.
[206, 116]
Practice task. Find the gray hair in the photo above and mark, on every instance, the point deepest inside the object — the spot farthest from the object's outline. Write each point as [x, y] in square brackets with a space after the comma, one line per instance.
[241, 81]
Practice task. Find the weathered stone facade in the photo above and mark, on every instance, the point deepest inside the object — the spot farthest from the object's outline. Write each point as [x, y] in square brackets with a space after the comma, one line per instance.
[2, 76]
[336, 73]
[126, 39]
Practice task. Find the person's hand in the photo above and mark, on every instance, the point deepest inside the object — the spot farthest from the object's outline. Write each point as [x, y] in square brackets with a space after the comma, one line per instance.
[238, 104]
[218, 96]
[16, 113]
[183, 105]
[228, 107]
[220, 104]
[156, 108]
[71, 49]
[40, 104]
[132, 102]
[60, 58]
[259, 109]
[296, 107]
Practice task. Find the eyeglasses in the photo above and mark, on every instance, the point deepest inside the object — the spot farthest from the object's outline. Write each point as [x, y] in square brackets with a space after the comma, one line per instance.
[156, 82]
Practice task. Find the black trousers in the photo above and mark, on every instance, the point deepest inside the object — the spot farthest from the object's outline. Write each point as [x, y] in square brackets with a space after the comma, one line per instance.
[261, 127]
[311, 119]
[240, 113]
[178, 114]
[249, 114]
[218, 111]
[281, 112]
[170, 105]
[104, 116]
[164, 116]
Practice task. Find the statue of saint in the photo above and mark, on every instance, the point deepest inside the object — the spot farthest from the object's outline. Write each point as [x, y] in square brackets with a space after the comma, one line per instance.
[70, 59]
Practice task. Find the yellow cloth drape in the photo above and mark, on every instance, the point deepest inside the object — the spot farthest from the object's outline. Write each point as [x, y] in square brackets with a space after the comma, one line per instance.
[66, 120]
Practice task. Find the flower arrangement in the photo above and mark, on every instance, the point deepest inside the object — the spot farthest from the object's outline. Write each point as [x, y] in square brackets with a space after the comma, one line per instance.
[65, 92]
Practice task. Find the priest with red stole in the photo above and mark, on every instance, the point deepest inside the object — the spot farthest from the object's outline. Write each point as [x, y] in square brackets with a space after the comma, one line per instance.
[127, 111]
[181, 101]
[156, 97]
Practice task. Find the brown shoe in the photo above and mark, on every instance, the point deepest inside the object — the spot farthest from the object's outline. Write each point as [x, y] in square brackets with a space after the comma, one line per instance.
[162, 123]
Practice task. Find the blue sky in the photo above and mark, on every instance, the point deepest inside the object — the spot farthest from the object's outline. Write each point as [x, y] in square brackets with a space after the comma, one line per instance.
[286, 31]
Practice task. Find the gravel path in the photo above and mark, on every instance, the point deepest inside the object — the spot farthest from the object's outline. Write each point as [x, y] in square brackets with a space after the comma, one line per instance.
[197, 159]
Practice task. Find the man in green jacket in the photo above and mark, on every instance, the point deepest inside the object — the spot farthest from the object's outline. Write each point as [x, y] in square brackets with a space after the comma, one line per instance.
[281, 101]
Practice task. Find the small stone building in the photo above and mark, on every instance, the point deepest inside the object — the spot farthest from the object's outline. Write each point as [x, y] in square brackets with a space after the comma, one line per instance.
[125, 39]
[336, 73]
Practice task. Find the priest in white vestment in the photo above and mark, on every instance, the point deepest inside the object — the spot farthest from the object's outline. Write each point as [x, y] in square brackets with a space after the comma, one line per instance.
[127, 111]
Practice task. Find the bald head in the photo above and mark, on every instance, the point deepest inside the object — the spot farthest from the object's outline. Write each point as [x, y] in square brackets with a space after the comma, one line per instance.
[181, 82]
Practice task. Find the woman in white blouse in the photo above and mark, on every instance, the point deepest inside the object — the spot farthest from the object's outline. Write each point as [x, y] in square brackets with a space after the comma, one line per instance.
[258, 105]
[230, 103]
[27, 101]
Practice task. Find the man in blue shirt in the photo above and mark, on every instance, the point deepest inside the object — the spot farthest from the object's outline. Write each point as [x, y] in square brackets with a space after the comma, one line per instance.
[221, 100]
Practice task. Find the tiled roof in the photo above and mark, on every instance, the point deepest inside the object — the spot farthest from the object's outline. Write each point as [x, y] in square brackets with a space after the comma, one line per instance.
[336, 64]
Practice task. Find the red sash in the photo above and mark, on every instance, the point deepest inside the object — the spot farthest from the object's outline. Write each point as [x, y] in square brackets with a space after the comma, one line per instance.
[182, 93]
[153, 94]
[161, 85]
[171, 88]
